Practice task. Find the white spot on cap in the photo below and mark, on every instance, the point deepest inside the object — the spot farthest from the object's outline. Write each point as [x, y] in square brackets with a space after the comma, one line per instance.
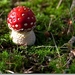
[22, 29]
[12, 25]
[23, 14]
[7, 18]
[28, 18]
[32, 17]
[25, 24]
[10, 21]
[24, 8]
[18, 18]
[8, 24]
[13, 13]
[18, 9]
[31, 23]
[12, 16]
[16, 25]
[13, 8]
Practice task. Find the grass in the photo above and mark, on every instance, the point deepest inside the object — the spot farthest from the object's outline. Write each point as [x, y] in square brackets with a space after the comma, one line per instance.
[47, 54]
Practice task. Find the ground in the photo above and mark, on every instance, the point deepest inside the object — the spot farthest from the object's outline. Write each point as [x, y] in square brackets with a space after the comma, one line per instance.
[51, 52]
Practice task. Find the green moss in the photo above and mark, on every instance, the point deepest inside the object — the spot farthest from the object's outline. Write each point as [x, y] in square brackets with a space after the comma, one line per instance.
[18, 58]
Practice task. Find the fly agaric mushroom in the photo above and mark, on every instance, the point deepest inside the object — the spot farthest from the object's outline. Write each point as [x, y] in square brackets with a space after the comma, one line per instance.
[21, 20]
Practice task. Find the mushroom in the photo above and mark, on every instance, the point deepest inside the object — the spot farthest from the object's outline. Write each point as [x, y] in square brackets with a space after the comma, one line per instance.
[21, 20]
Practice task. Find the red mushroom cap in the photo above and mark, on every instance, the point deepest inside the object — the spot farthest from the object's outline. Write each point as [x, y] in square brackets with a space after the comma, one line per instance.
[21, 18]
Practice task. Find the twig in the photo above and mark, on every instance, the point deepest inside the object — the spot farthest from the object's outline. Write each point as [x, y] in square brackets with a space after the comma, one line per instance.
[45, 46]
[29, 70]
[72, 54]
[1, 46]
[70, 29]
[59, 4]
[55, 45]
[2, 13]
[9, 71]
[69, 44]
[42, 46]
[50, 22]
[68, 63]
[69, 60]
[71, 41]
[72, 5]
[57, 50]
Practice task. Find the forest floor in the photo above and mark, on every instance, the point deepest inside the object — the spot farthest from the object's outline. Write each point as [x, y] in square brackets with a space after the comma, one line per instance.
[54, 49]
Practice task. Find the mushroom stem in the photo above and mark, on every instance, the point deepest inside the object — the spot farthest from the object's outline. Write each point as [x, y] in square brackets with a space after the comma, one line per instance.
[23, 38]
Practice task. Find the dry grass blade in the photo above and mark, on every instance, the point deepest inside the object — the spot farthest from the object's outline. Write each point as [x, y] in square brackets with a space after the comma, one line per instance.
[59, 4]
[1, 13]
[70, 42]
[29, 70]
[43, 46]
[9, 71]
[71, 56]
[57, 50]
[55, 45]
[72, 5]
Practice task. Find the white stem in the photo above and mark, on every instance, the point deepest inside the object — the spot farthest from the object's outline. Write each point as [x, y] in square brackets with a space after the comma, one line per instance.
[23, 38]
